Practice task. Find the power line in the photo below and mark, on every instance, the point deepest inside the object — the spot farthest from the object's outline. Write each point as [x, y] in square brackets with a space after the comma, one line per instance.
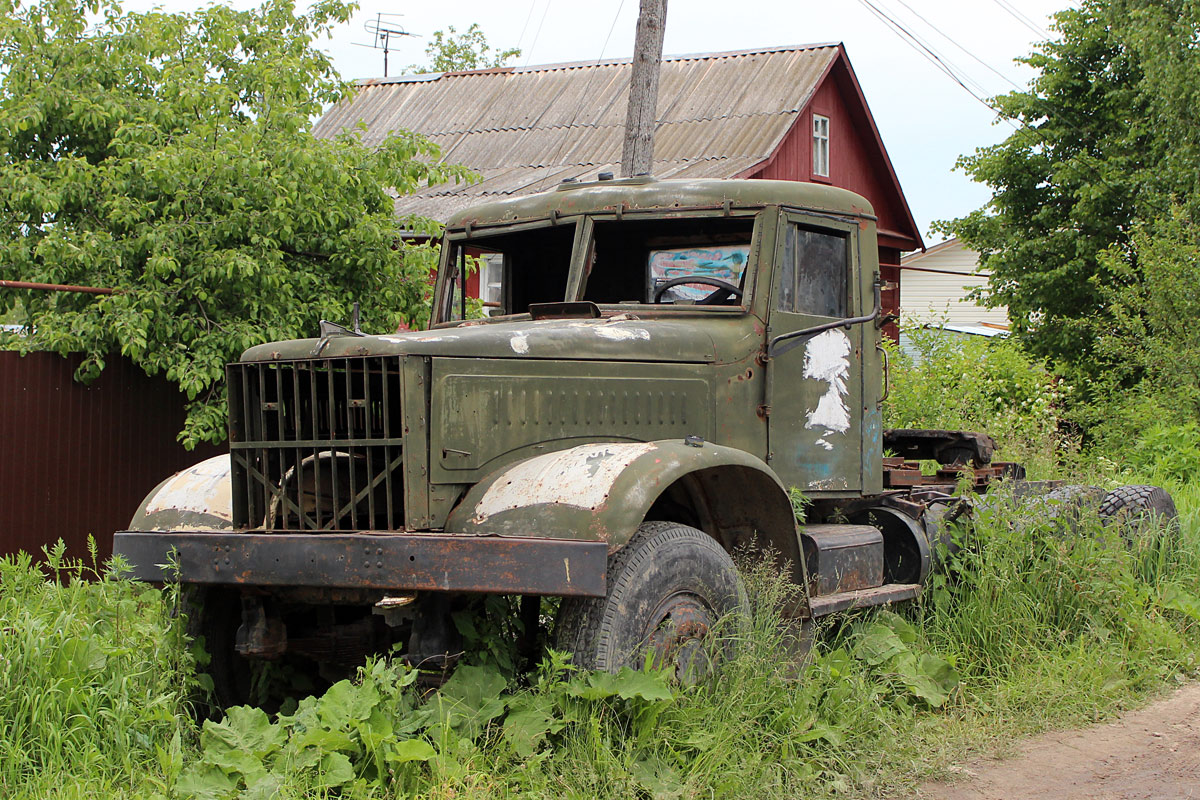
[525, 27]
[1017, 124]
[611, 28]
[954, 42]
[1016, 14]
[927, 53]
[955, 71]
[537, 33]
[588, 87]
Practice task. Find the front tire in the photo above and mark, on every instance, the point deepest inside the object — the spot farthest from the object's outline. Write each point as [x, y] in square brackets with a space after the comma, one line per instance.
[667, 590]
[213, 615]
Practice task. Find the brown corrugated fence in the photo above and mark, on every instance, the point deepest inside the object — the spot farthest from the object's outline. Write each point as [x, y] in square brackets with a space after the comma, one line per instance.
[78, 460]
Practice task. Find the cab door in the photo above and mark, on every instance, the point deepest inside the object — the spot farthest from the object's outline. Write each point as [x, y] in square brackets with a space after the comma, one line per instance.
[816, 383]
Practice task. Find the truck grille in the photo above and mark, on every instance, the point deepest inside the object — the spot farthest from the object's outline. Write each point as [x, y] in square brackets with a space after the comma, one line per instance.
[317, 444]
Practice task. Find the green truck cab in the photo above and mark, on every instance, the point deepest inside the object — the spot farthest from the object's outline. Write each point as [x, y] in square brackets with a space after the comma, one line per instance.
[660, 361]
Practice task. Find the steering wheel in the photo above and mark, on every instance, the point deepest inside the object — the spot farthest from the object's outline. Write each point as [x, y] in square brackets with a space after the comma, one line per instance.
[725, 289]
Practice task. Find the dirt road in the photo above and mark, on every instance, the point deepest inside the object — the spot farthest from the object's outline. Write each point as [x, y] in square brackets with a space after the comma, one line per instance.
[1152, 753]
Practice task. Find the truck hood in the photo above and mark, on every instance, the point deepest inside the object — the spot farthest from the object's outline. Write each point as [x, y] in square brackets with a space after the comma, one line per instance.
[613, 339]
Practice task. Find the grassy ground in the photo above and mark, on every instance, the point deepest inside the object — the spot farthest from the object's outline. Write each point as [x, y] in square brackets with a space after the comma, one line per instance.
[1035, 627]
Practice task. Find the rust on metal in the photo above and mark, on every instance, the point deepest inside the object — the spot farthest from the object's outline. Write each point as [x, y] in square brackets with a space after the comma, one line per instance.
[899, 473]
[945, 447]
[864, 598]
[842, 558]
[405, 562]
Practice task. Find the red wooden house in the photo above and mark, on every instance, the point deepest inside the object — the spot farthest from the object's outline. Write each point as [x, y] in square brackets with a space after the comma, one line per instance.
[791, 113]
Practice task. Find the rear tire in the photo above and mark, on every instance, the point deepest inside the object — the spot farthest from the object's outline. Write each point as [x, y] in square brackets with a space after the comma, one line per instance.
[1131, 507]
[1065, 507]
[667, 590]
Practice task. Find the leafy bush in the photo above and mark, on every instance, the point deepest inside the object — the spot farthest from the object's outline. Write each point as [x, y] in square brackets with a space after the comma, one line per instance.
[1142, 414]
[973, 383]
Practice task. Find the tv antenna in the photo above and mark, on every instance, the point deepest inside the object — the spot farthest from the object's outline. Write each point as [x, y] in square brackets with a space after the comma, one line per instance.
[382, 29]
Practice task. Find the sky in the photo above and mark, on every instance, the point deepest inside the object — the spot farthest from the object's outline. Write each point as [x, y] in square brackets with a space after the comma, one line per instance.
[926, 119]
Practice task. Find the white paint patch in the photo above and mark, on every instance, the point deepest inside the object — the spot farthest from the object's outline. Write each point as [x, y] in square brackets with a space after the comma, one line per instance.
[202, 489]
[581, 477]
[448, 337]
[406, 339]
[828, 484]
[622, 334]
[520, 343]
[824, 444]
[826, 358]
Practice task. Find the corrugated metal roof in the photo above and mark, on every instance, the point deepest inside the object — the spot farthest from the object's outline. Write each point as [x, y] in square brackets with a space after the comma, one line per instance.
[525, 129]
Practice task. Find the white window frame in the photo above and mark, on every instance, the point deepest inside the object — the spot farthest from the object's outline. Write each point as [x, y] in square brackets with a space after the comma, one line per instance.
[491, 282]
[820, 127]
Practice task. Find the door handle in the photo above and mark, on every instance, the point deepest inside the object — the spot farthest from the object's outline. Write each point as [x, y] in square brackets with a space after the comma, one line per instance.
[887, 374]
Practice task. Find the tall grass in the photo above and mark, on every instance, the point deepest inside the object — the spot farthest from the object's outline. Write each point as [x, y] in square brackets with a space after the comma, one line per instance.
[1035, 625]
[93, 678]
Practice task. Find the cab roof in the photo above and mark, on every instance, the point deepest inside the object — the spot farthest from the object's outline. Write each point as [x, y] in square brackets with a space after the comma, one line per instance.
[651, 194]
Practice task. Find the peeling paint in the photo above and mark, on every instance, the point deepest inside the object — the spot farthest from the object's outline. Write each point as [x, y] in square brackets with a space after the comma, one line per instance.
[406, 339]
[828, 484]
[826, 359]
[204, 488]
[520, 343]
[580, 477]
[623, 334]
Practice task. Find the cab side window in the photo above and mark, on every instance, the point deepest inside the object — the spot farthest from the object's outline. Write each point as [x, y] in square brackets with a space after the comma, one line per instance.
[814, 272]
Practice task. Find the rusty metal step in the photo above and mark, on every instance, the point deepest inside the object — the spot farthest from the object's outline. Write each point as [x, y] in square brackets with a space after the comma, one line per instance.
[863, 598]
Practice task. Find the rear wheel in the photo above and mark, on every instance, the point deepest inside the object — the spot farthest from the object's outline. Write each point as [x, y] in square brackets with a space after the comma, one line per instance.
[667, 590]
[1065, 507]
[1135, 506]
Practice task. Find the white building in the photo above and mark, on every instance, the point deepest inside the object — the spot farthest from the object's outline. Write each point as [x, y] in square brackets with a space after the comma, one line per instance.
[934, 286]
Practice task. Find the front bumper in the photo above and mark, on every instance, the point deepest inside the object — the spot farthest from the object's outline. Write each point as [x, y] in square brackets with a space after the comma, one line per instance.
[388, 561]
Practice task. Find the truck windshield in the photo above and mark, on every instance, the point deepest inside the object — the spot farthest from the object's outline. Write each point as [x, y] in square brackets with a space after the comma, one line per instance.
[694, 261]
[650, 261]
[508, 271]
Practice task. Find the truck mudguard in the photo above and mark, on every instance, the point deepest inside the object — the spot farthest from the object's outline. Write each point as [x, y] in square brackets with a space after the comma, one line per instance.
[605, 491]
[199, 498]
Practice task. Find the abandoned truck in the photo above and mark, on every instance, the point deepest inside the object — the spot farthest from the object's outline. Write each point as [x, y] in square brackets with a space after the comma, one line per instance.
[661, 361]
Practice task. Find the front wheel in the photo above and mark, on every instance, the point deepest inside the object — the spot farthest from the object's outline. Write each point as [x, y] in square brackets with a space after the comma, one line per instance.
[667, 590]
[213, 615]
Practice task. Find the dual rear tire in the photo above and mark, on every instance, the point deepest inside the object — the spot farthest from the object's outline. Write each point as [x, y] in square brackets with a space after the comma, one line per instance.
[1134, 506]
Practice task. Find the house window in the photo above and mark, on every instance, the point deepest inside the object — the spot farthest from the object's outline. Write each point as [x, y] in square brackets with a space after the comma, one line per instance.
[491, 284]
[820, 145]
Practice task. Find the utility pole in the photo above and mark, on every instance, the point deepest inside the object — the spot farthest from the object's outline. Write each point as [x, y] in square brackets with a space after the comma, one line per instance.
[638, 152]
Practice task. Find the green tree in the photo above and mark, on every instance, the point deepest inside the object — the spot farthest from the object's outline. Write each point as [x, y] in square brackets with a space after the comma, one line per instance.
[1108, 137]
[169, 157]
[451, 51]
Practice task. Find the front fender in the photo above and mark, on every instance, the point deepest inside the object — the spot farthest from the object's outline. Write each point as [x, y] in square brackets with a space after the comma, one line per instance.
[199, 498]
[603, 492]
